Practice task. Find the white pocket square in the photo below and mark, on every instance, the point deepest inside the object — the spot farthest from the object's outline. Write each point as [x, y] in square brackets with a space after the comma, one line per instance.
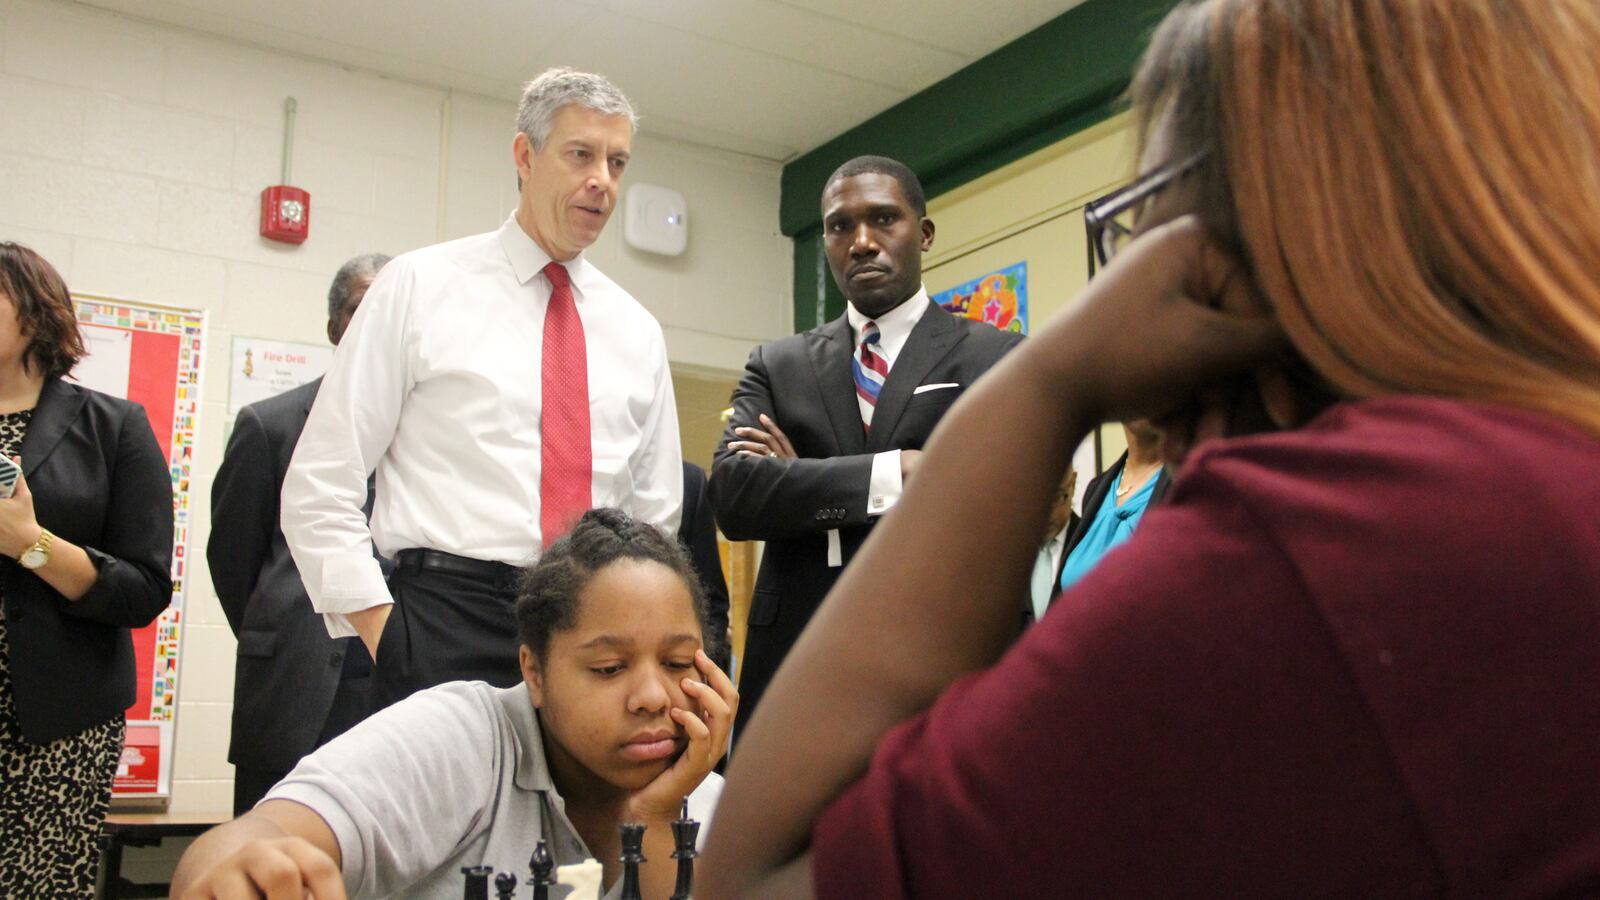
[924, 388]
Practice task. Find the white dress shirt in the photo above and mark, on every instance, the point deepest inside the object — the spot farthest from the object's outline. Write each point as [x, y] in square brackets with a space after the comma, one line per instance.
[894, 327]
[1045, 568]
[436, 386]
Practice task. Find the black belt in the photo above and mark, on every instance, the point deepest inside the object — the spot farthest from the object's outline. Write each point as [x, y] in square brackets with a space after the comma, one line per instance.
[418, 560]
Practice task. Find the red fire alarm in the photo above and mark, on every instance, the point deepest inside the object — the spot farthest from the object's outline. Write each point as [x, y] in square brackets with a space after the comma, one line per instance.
[286, 210]
[285, 214]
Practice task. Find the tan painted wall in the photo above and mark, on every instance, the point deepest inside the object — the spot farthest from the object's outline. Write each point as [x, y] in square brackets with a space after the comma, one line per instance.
[1033, 210]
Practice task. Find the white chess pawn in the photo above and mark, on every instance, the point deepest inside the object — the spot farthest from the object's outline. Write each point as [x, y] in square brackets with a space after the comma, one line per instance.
[584, 879]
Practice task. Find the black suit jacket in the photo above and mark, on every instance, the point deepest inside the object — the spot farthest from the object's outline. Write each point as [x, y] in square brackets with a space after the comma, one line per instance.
[697, 531]
[99, 480]
[288, 668]
[804, 383]
[1060, 566]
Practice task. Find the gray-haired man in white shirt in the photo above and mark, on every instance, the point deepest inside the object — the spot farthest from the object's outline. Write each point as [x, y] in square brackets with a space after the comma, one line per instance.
[499, 385]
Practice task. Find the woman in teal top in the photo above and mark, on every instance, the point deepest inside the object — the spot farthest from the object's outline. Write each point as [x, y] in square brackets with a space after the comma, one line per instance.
[1114, 503]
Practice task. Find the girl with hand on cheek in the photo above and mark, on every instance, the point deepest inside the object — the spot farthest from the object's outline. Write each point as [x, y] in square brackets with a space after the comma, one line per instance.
[633, 712]
[621, 716]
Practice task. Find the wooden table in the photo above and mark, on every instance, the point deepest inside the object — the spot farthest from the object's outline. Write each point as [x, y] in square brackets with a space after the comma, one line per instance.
[144, 829]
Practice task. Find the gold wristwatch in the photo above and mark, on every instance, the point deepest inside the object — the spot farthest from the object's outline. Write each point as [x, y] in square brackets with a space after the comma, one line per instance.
[36, 556]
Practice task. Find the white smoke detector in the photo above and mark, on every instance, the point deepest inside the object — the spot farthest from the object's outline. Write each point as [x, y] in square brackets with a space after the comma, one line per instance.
[655, 219]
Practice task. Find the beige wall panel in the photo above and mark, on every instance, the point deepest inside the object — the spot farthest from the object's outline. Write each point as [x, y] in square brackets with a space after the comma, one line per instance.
[1032, 210]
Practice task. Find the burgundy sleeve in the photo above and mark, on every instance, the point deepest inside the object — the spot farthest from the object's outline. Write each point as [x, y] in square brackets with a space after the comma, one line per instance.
[1179, 723]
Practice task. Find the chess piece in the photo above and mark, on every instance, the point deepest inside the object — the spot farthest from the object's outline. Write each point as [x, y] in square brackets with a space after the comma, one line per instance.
[505, 884]
[583, 878]
[475, 884]
[541, 864]
[685, 831]
[632, 856]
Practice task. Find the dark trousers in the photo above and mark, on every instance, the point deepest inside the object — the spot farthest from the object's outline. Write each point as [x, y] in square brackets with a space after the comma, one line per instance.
[452, 620]
[352, 702]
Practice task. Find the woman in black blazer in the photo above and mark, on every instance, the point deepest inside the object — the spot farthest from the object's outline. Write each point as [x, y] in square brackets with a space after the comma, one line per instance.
[85, 555]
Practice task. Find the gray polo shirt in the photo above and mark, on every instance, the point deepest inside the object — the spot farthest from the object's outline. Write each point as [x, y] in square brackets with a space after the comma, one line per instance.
[449, 777]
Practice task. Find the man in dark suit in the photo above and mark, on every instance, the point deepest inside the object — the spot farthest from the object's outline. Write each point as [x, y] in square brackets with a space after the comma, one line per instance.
[1052, 554]
[294, 687]
[828, 425]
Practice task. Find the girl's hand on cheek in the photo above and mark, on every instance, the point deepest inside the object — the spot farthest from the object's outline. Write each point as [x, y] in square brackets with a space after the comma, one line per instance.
[1163, 332]
[707, 728]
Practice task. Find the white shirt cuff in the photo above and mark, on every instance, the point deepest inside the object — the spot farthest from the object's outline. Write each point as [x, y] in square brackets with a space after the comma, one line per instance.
[351, 582]
[883, 491]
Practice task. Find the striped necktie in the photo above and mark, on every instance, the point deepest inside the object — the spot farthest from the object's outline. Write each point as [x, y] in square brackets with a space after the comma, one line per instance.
[870, 367]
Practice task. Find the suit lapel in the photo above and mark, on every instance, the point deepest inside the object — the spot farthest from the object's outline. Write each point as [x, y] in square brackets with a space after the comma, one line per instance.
[58, 405]
[830, 348]
[313, 388]
[929, 342]
[1061, 564]
[1093, 499]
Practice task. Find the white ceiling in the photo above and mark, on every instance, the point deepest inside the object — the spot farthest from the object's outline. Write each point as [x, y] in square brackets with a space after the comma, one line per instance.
[771, 78]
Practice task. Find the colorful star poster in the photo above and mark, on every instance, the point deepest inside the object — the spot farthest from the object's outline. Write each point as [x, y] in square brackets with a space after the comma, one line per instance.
[999, 298]
[151, 355]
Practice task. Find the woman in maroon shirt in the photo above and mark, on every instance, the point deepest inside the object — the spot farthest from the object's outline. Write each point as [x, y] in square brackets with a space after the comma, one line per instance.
[1357, 658]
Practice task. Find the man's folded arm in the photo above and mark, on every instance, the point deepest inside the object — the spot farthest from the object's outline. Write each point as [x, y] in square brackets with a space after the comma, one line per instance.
[757, 499]
[767, 498]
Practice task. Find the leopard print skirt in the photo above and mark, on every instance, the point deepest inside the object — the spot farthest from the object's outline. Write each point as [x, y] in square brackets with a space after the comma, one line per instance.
[53, 797]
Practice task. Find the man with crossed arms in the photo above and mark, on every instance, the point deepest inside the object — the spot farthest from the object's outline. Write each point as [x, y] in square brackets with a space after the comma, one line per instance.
[827, 425]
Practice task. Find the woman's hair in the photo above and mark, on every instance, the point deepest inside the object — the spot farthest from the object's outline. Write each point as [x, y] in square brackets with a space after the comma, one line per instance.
[1415, 184]
[547, 595]
[44, 311]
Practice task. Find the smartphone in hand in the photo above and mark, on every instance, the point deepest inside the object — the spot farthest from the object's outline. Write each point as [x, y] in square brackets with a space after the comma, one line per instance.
[9, 473]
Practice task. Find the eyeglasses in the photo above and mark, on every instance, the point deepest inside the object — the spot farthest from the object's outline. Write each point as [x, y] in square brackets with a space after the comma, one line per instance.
[1108, 222]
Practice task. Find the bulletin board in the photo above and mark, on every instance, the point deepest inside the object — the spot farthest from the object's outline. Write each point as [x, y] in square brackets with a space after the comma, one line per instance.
[999, 298]
[151, 355]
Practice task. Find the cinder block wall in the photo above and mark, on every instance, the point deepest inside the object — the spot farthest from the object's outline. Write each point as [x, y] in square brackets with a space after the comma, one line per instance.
[132, 157]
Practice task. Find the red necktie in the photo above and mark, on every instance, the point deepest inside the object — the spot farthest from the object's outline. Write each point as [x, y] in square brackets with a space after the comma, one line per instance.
[565, 457]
